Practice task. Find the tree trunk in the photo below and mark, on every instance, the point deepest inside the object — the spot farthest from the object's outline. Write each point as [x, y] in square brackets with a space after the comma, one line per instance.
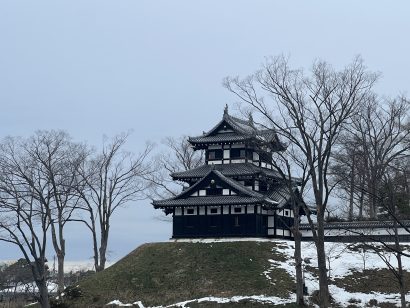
[103, 249]
[95, 244]
[60, 273]
[299, 271]
[401, 282]
[400, 277]
[43, 292]
[374, 190]
[298, 258]
[351, 189]
[361, 199]
[59, 248]
[321, 263]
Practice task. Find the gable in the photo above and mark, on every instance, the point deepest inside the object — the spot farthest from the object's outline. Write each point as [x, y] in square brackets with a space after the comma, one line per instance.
[215, 183]
[214, 186]
[221, 128]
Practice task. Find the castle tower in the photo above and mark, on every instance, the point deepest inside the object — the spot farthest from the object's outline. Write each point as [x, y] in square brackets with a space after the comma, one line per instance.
[236, 193]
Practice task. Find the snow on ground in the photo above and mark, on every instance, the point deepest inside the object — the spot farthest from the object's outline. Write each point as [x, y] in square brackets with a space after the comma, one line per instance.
[29, 288]
[221, 300]
[69, 266]
[7, 262]
[220, 240]
[342, 262]
[76, 266]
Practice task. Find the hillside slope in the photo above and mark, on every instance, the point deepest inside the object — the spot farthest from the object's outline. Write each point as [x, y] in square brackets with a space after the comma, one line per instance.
[166, 273]
[239, 274]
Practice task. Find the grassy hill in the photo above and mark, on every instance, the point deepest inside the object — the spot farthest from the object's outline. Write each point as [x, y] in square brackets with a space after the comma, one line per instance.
[238, 274]
[167, 273]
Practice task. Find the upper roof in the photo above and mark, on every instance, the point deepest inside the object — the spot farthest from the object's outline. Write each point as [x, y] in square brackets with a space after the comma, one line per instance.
[232, 129]
[230, 170]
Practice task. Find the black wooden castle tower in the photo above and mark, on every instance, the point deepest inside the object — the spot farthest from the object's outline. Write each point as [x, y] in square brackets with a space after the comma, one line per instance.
[236, 193]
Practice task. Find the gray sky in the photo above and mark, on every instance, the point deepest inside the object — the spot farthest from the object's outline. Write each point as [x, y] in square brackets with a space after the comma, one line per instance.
[103, 67]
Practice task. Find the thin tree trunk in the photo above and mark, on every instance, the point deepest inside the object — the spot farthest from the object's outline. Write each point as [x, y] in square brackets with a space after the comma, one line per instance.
[361, 199]
[373, 197]
[352, 188]
[59, 248]
[400, 277]
[402, 282]
[321, 263]
[60, 273]
[298, 260]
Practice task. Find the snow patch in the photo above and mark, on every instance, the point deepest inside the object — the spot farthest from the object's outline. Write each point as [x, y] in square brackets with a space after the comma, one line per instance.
[342, 261]
[222, 240]
[220, 300]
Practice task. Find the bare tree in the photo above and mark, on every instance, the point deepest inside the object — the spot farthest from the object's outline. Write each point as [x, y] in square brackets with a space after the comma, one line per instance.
[109, 180]
[309, 112]
[349, 169]
[57, 159]
[178, 156]
[383, 131]
[25, 206]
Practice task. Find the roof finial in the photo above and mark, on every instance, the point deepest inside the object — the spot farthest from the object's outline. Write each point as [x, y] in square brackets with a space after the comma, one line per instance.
[226, 109]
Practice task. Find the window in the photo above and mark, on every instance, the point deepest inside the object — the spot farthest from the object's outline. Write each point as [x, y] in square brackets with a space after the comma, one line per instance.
[237, 153]
[286, 213]
[190, 211]
[248, 183]
[215, 154]
[237, 210]
[236, 221]
[214, 211]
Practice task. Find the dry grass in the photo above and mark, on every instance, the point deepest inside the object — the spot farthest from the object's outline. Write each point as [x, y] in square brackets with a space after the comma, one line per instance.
[380, 280]
[166, 273]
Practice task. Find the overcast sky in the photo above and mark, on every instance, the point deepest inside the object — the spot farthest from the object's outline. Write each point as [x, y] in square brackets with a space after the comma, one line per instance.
[103, 67]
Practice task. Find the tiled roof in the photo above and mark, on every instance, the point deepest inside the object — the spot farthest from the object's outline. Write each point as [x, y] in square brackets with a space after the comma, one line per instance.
[231, 137]
[277, 195]
[248, 195]
[230, 170]
[280, 193]
[243, 130]
[357, 225]
[207, 200]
